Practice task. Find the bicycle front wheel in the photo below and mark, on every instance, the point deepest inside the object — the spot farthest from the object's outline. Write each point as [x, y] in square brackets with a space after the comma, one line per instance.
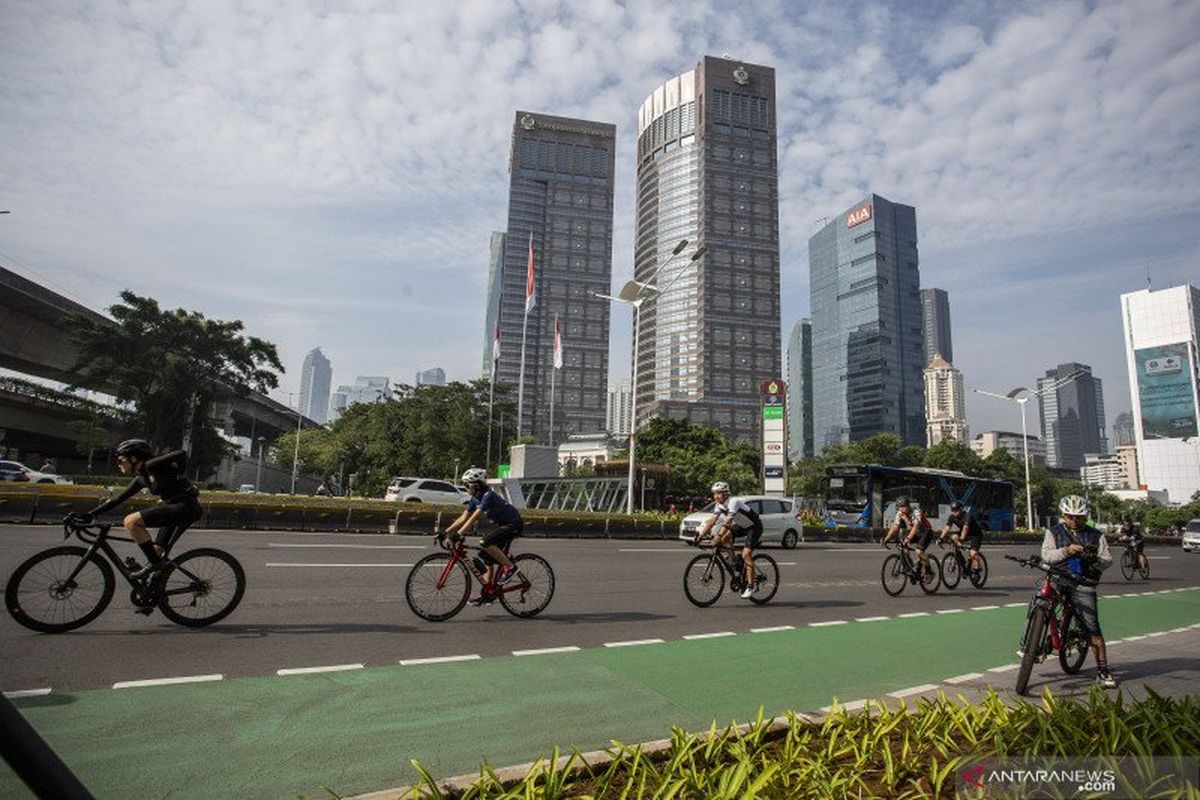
[978, 576]
[1074, 647]
[1128, 563]
[951, 574]
[766, 579]
[59, 589]
[537, 587]
[893, 576]
[1033, 647]
[703, 580]
[202, 587]
[930, 578]
[436, 591]
[1145, 571]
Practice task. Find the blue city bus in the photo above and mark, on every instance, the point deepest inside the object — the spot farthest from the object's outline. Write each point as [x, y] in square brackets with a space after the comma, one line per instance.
[864, 495]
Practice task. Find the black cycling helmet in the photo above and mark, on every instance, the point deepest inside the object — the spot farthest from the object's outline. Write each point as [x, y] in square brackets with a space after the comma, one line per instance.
[902, 502]
[956, 507]
[138, 448]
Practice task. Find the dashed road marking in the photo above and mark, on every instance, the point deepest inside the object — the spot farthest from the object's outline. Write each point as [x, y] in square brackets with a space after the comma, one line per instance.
[912, 614]
[1015, 605]
[984, 608]
[924, 687]
[633, 643]
[870, 619]
[853, 705]
[27, 693]
[353, 566]
[409, 662]
[950, 611]
[970, 676]
[715, 635]
[827, 623]
[167, 681]
[352, 546]
[650, 550]
[1005, 668]
[773, 629]
[545, 651]
[315, 670]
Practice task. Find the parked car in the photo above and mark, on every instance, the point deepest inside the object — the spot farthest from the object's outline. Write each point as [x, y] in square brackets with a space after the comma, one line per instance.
[1190, 541]
[781, 522]
[14, 474]
[247, 488]
[34, 475]
[424, 490]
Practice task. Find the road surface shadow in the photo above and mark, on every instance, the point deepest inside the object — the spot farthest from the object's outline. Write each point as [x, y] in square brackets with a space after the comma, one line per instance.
[602, 617]
[816, 603]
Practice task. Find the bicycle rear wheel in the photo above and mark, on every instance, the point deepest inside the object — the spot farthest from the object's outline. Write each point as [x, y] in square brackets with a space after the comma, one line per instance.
[1128, 563]
[951, 574]
[978, 576]
[766, 579]
[539, 580]
[1033, 647]
[1145, 571]
[703, 580]
[1074, 647]
[893, 576]
[429, 595]
[202, 587]
[58, 590]
[931, 579]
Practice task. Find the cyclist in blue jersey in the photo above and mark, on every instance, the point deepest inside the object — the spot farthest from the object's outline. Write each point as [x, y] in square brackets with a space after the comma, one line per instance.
[485, 502]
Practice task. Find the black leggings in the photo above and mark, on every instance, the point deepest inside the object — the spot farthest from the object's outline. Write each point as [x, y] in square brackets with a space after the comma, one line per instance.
[171, 519]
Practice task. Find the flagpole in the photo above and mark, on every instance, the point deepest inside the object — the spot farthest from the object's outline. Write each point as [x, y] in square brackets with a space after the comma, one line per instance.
[530, 300]
[553, 374]
[491, 406]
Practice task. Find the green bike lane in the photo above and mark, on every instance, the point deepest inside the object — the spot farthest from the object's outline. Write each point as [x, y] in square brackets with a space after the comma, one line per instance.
[354, 732]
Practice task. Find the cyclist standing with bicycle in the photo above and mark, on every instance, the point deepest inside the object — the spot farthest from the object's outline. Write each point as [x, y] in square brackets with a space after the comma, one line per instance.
[740, 520]
[1131, 535]
[485, 502]
[1085, 552]
[970, 532]
[920, 531]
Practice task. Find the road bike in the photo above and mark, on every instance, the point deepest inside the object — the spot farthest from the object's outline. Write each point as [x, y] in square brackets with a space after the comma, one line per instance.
[68, 586]
[1131, 564]
[955, 564]
[704, 576]
[900, 569]
[1050, 624]
[440, 583]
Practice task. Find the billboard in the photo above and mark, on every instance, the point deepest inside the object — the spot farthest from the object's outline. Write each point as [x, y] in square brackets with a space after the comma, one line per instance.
[773, 394]
[1166, 391]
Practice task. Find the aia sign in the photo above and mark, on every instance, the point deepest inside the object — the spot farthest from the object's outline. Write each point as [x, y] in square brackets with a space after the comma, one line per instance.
[861, 214]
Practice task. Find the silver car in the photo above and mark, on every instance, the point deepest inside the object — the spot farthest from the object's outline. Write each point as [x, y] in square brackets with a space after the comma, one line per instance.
[781, 522]
[1190, 540]
[424, 490]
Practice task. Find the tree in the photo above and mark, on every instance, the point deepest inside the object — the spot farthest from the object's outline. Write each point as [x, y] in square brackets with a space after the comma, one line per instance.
[170, 365]
[698, 456]
[952, 454]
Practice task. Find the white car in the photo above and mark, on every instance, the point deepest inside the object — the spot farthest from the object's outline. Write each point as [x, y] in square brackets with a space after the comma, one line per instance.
[34, 475]
[424, 490]
[1190, 540]
[781, 522]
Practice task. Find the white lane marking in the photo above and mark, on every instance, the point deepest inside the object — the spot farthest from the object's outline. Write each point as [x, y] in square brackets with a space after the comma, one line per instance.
[633, 643]
[321, 566]
[970, 676]
[924, 687]
[853, 705]
[846, 550]
[773, 629]
[546, 651]
[786, 563]
[651, 549]
[167, 681]
[1156, 633]
[27, 693]
[984, 608]
[1177, 630]
[912, 614]
[870, 619]
[827, 624]
[950, 611]
[353, 546]
[1015, 605]
[1159, 558]
[314, 670]
[1005, 668]
[408, 662]
[716, 635]
[1135, 638]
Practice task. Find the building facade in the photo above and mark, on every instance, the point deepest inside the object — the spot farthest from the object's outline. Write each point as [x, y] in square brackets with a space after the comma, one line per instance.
[945, 405]
[492, 314]
[1107, 471]
[986, 443]
[435, 376]
[707, 172]
[365, 389]
[1162, 337]
[1072, 415]
[315, 378]
[619, 419]
[935, 316]
[867, 325]
[799, 392]
[560, 205]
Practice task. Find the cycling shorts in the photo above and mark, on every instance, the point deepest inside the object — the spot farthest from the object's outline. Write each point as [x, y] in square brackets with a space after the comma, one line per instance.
[923, 540]
[502, 537]
[752, 535]
[974, 542]
[1138, 547]
[171, 519]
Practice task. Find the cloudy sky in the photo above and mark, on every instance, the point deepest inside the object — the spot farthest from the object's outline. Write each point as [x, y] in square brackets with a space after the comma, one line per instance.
[330, 172]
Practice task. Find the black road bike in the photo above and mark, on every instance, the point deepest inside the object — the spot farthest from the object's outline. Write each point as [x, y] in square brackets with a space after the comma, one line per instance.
[1131, 564]
[704, 576]
[901, 569]
[956, 564]
[68, 586]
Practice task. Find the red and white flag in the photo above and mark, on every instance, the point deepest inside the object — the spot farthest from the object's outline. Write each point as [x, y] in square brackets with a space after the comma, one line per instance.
[496, 350]
[530, 292]
[558, 361]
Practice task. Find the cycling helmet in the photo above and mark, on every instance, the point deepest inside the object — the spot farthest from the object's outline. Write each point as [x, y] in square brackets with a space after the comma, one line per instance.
[956, 507]
[902, 502]
[720, 486]
[475, 475]
[138, 448]
[1073, 505]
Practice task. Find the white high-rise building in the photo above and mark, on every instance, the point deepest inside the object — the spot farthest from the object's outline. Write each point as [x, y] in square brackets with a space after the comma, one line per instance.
[1162, 329]
[945, 406]
[1107, 471]
[315, 377]
[988, 442]
[435, 376]
[620, 409]
[366, 389]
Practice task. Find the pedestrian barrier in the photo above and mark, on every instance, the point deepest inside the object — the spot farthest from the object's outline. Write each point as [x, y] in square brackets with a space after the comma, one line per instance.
[18, 507]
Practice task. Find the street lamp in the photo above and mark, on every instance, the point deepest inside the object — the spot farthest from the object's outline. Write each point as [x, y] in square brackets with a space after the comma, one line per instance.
[258, 474]
[296, 454]
[635, 293]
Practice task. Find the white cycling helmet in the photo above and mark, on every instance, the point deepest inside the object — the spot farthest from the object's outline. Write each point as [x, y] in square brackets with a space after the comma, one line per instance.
[475, 475]
[720, 486]
[1073, 505]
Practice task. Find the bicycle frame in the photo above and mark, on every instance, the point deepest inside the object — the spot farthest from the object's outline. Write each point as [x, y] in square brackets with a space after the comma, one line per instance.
[1058, 617]
[99, 542]
[458, 552]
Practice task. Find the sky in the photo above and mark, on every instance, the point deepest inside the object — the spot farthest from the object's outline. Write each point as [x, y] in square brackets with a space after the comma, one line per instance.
[330, 172]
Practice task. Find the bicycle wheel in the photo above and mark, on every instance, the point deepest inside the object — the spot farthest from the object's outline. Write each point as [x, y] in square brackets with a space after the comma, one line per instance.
[435, 593]
[1074, 647]
[202, 587]
[931, 578]
[1145, 571]
[1033, 647]
[893, 576]
[530, 602]
[978, 576]
[58, 590]
[1128, 562]
[703, 580]
[951, 574]
[766, 579]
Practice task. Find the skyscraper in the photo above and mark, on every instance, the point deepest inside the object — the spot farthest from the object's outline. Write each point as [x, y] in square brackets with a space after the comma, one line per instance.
[495, 268]
[799, 391]
[560, 206]
[435, 376]
[315, 378]
[366, 389]
[1122, 430]
[935, 311]
[868, 340]
[945, 405]
[1072, 416]
[707, 173]
[620, 406]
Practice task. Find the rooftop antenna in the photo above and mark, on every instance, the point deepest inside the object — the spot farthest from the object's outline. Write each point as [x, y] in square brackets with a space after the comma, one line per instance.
[1149, 287]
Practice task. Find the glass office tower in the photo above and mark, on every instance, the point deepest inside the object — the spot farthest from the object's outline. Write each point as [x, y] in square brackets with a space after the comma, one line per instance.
[935, 308]
[799, 392]
[1072, 415]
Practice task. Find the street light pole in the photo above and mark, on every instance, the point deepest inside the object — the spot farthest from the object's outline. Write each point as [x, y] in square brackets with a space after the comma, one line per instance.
[296, 454]
[258, 475]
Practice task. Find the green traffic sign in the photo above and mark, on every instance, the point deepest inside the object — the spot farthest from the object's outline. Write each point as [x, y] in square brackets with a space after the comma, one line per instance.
[772, 412]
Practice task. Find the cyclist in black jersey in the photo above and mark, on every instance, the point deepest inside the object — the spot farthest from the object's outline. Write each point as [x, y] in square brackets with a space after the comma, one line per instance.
[738, 521]
[164, 477]
[1131, 534]
[920, 530]
[970, 532]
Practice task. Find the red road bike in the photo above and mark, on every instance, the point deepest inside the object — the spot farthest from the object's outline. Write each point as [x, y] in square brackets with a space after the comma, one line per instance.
[440, 583]
[1050, 625]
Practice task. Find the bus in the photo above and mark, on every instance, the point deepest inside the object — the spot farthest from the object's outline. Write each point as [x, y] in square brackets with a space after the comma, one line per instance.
[864, 495]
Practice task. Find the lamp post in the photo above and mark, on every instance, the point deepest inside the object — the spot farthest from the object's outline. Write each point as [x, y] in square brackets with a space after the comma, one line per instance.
[258, 474]
[635, 293]
[296, 454]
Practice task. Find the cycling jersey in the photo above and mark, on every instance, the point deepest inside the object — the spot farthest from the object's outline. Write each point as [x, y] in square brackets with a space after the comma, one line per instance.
[163, 476]
[743, 517]
[969, 526]
[495, 509]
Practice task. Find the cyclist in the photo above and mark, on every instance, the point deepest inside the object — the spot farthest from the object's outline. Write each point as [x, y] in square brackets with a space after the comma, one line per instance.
[1131, 534]
[920, 530]
[485, 502]
[1084, 550]
[164, 477]
[739, 521]
[970, 532]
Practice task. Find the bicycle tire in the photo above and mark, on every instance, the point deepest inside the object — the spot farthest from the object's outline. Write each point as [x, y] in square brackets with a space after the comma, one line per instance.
[430, 601]
[930, 585]
[766, 579]
[951, 572]
[1127, 565]
[531, 601]
[1033, 648]
[1145, 571]
[893, 576]
[201, 587]
[978, 578]
[1074, 648]
[30, 584]
[703, 580]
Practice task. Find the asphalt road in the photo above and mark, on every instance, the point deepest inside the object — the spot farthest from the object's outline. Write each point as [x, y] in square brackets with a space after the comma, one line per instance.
[321, 600]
